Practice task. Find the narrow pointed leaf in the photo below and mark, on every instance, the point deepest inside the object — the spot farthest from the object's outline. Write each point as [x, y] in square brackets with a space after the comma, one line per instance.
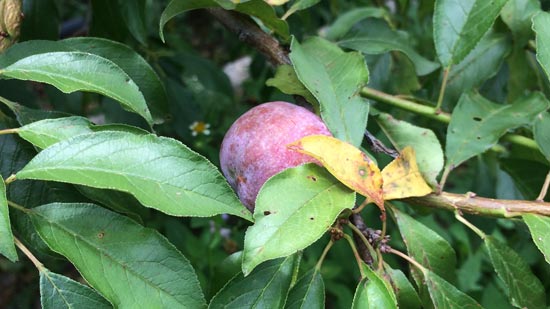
[541, 26]
[308, 292]
[81, 71]
[266, 287]
[446, 295]
[373, 292]
[482, 63]
[426, 246]
[300, 5]
[311, 202]
[44, 133]
[57, 291]
[477, 123]
[7, 245]
[429, 154]
[130, 265]
[345, 162]
[402, 178]
[385, 40]
[460, 24]
[285, 79]
[257, 8]
[525, 289]
[132, 63]
[345, 21]
[539, 227]
[542, 135]
[335, 79]
[160, 172]
[406, 295]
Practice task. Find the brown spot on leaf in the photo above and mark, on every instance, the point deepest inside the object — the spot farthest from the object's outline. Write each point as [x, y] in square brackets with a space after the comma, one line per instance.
[100, 235]
[312, 178]
[267, 213]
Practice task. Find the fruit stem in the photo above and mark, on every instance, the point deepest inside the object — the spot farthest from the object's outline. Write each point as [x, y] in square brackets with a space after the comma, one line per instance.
[474, 228]
[408, 259]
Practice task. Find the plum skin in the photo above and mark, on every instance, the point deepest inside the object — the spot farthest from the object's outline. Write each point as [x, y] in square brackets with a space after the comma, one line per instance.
[254, 148]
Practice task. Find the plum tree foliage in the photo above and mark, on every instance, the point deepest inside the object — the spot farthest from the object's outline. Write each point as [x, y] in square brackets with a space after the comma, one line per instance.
[410, 167]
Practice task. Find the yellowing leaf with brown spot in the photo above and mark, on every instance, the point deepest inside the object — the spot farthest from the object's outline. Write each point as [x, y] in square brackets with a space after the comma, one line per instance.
[345, 162]
[402, 178]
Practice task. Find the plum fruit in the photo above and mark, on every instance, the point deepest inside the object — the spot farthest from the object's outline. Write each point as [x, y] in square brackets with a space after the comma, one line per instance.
[254, 148]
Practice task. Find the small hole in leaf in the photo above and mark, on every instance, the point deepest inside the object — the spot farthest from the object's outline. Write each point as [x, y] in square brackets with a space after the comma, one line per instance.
[479, 137]
[477, 118]
[311, 218]
[100, 235]
[267, 213]
[312, 178]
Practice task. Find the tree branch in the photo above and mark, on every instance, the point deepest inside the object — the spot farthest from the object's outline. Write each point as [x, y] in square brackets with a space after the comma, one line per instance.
[251, 34]
[248, 32]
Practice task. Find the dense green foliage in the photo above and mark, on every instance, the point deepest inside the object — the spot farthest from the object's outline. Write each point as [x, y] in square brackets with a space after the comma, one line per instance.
[113, 112]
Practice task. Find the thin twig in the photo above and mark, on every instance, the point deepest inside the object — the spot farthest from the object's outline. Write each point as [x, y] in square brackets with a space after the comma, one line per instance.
[544, 188]
[408, 259]
[377, 146]
[371, 252]
[29, 254]
[356, 254]
[324, 254]
[366, 253]
[472, 227]
[442, 90]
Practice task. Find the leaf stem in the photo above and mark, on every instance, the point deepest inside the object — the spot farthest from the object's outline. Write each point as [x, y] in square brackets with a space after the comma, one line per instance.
[9, 131]
[474, 228]
[442, 90]
[356, 254]
[324, 254]
[544, 188]
[358, 232]
[443, 180]
[10, 179]
[19, 207]
[360, 207]
[29, 254]
[408, 259]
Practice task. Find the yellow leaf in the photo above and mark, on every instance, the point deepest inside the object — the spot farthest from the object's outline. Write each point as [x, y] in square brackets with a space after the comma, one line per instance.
[347, 163]
[402, 178]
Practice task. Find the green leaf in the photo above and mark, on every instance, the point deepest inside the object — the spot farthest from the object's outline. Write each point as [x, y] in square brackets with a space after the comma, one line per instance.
[265, 12]
[44, 133]
[308, 292]
[7, 246]
[132, 64]
[383, 40]
[312, 200]
[41, 20]
[287, 81]
[528, 175]
[160, 172]
[404, 290]
[47, 132]
[266, 287]
[429, 154]
[480, 65]
[299, 5]
[25, 115]
[541, 26]
[517, 15]
[57, 291]
[540, 130]
[176, 7]
[539, 227]
[74, 71]
[460, 24]
[133, 14]
[257, 8]
[477, 123]
[446, 295]
[335, 79]
[525, 289]
[130, 265]
[345, 21]
[426, 246]
[122, 55]
[373, 292]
